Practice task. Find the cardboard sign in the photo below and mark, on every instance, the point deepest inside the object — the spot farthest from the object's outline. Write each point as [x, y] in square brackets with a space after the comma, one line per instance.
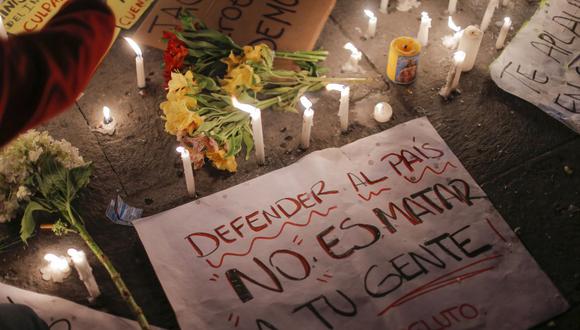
[27, 16]
[281, 24]
[128, 12]
[389, 232]
[542, 62]
[63, 314]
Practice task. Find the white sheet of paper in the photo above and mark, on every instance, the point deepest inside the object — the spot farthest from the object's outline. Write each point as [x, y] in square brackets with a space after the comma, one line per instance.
[343, 261]
[541, 64]
[59, 313]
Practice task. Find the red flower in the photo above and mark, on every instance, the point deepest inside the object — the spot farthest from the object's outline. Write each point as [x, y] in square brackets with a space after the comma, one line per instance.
[174, 54]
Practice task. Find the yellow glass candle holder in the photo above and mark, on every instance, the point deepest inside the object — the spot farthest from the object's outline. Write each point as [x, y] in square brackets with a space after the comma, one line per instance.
[403, 61]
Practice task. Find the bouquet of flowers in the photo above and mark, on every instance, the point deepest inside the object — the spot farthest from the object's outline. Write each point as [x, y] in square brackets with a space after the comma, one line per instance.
[41, 175]
[204, 69]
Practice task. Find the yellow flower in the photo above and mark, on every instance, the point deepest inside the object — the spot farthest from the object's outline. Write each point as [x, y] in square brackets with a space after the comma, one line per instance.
[241, 77]
[254, 53]
[182, 86]
[221, 162]
[179, 118]
[232, 61]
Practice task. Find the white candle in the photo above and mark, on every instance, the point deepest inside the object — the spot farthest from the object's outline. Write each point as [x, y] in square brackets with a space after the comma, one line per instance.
[344, 103]
[107, 119]
[384, 6]
[355, 56]
[491, 6]
[452, 8]
[187, 170]
[423, 35]
[469, 43]
[138, 63]
[307, 122]
[507, 23]
[451, 41]
[85, 272]
[383, 112]
[372, 27]
[56, 270]
[453, 76]
[256, 116]
[3, 33]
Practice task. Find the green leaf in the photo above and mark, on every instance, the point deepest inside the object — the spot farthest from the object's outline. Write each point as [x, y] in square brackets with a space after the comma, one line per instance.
[77, 179]
[28, 224]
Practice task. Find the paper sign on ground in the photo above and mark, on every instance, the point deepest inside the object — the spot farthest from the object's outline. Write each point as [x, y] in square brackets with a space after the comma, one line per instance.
[387, 232]
[59, 313]
[128, 12]
[281, 24]
[542, 62]
[28, 16]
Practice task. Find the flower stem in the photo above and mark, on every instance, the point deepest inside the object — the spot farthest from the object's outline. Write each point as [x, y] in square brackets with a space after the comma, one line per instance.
[113, 273]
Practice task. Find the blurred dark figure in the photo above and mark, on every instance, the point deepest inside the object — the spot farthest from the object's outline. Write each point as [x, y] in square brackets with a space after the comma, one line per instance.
[42, 73]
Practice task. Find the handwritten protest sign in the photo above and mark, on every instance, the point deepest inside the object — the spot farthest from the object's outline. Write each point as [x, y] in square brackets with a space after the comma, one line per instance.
[63, 314]
[128, 12]
[387, 232]
[27, 16]
[542, 62]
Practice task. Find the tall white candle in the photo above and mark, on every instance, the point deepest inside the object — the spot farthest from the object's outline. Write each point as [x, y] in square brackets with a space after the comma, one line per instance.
[355, 56]
[453, 76]
[344, 103]
[107, 118]
[85, 272]
[469, 43]
[423, 35]
[372, 27]
[452, 7]
[384, 6]
[3, 33]
[56, 270]
[256, 116]
[491, 6]
[507, 23]
[307, 122]
[187, 170]
[139, 67]
[451, 41]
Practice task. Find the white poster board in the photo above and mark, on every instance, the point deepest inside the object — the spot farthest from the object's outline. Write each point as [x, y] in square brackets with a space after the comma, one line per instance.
[542, 62]
[387, 232]
[61, 314]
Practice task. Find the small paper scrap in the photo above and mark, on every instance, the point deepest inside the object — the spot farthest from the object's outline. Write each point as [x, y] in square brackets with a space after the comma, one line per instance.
[122, 213]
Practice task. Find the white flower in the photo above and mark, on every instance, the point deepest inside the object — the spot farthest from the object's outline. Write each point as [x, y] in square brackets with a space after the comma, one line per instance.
[34, 154]
[23, 193]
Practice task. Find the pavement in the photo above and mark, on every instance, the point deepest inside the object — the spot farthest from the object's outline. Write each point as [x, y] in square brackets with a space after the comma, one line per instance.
[527, 162]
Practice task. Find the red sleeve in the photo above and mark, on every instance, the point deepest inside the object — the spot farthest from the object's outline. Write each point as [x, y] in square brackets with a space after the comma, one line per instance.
[42, 73]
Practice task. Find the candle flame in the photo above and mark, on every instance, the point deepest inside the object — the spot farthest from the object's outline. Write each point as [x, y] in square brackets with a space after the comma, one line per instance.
[183, 151]
[424, 14]
[507, 20]
[369, 13]
[252, 110]
[57, 263]
[76, 255]
[459, 56]
[107, 113]
[135, 47]
[50, 257]
[351, 47]
[335, 87]
[305, 102]
[452, 25]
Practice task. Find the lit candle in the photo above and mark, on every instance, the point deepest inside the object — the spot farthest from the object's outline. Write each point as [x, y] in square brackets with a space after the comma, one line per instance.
[306, 122]
[507, 23]
[491, 6]
[3, 33]
[256, 116]
[452, 8]
[355, 56]
[372, 27]
[107, 119]
[384, 6]
[56, 270]
[344, 103]
[138, 63]
[383, 112]
[187, 170]
[423, 35]
[452, 40]
[85, 272]
[469, 43]
[453, 76]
